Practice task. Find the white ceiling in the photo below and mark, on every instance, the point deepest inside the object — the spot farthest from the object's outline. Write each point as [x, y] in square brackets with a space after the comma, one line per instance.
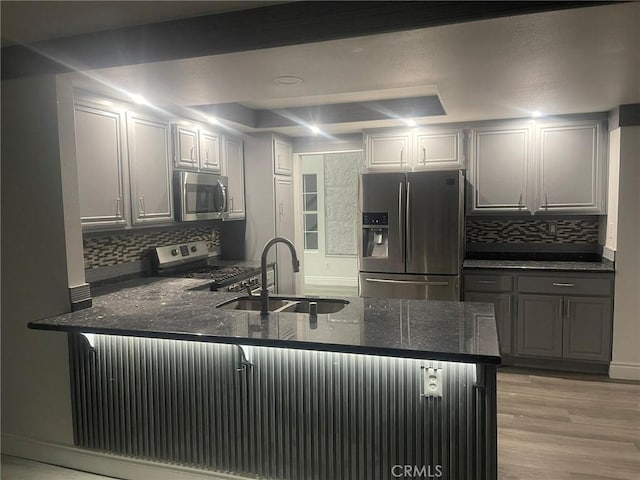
[569, 61]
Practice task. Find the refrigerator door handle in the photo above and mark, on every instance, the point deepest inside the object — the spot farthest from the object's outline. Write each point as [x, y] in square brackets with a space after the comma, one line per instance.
[408, 222]
[407, 282]
[400, 239]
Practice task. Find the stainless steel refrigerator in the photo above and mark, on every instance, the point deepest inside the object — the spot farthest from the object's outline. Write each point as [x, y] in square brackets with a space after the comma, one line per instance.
[411, 235]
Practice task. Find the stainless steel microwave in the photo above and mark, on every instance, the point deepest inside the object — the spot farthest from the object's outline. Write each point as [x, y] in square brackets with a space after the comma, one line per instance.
[200, 196]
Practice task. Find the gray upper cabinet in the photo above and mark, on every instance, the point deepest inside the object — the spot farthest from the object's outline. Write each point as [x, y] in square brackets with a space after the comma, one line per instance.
[439, 149]
[282, 157]
[500, 168]
[196, 148]
[185, 141]
[209, 151]
[387, 150]
[150, 169]
[234, 170]
[102, 162]
[427, 148]
[537, 167]
[570, 168]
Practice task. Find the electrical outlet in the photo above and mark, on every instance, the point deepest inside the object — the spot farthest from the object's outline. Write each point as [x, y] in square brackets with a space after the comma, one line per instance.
[432, 382]
[552, 228]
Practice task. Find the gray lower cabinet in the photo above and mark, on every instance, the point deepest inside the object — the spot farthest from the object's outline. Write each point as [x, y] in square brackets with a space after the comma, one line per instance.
[539, 326]
[548, 318]
[503, 308]
[587, 328]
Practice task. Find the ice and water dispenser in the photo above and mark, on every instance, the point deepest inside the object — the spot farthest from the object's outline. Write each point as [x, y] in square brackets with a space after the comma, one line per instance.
[375, 235]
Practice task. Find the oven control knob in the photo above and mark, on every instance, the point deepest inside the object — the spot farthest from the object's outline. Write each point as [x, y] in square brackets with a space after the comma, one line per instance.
[194, 248]
[174, 252]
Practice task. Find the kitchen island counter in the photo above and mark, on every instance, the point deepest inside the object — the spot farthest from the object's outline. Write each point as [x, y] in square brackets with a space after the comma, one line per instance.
[180, 309]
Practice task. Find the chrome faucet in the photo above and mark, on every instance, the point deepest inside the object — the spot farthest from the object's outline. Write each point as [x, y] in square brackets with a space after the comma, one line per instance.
[264, 292]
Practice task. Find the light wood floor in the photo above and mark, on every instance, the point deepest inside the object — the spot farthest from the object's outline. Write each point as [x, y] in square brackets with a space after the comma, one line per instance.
[575, 428]
[550, 427]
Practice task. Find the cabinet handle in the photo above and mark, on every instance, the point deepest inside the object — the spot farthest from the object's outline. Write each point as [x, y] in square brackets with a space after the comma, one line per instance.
[563, 285]
[560, 310]
[520, 201]
[424, 155]
[141, 205]
[206, 154]
[191, 153]
[407, 282]
[488, 282]
[231, 204]
[546, 202]
[568, 308]
[401, 155]
[118, 212]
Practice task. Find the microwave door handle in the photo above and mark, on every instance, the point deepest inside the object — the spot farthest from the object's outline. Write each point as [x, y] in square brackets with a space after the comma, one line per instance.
[223, 189]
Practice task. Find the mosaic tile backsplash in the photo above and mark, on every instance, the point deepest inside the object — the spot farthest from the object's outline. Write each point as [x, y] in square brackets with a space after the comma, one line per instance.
[117, 248]
[487, 231]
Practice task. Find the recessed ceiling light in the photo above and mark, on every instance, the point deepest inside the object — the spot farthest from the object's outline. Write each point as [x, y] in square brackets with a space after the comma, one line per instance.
[314, 129]
[536, 113]
[410, 123]
[213, 120]
[288, 80]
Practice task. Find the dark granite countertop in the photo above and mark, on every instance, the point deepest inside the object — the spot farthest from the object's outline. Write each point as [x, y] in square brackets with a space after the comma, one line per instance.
[564, 266]
[175, 308]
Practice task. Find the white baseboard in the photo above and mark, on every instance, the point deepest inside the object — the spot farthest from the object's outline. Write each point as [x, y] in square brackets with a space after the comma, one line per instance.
[331, 281]
[624, 371]
[101, 463]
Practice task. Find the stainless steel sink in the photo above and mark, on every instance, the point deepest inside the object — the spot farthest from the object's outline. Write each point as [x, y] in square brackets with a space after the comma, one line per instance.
[323, 305]
[286, 305]
[248, 303]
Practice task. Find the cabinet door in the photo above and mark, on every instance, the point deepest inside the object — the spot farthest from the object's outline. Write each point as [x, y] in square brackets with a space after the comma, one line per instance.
[185, 147]
[587, 328]
[284, 228]
[234, 159]
[439, 150]
[150, 168]
[101, 162]
[539, 326]
[209, 151]
[569, 167]
[499, 169]
[502, 304]
[388, 151]
[282, 157]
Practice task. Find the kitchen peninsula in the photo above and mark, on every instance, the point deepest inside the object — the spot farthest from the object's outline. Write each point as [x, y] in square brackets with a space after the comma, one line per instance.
[159, 373]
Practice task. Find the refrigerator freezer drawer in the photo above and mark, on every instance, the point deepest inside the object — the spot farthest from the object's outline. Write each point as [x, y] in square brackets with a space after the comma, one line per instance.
[431, 287]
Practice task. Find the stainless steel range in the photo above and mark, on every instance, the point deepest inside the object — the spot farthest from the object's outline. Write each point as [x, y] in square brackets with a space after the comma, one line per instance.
[192, 260]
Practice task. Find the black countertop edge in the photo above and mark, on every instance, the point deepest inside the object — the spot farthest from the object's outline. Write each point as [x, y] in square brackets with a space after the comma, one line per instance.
[603, 266]
[297, 345]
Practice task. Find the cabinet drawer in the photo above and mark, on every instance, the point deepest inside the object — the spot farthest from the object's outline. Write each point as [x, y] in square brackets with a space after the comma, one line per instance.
[565, 285]
[488, 283]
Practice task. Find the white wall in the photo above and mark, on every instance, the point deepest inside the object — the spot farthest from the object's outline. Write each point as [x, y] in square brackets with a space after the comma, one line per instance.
[626, 318]
[319, 268]
[35, 377]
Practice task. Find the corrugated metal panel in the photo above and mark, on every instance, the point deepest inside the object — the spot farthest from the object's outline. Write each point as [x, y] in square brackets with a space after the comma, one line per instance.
[294, 414]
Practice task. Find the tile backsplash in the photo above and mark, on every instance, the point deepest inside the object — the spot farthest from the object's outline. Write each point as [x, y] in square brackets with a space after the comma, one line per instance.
[528, 231]
[125, 247]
